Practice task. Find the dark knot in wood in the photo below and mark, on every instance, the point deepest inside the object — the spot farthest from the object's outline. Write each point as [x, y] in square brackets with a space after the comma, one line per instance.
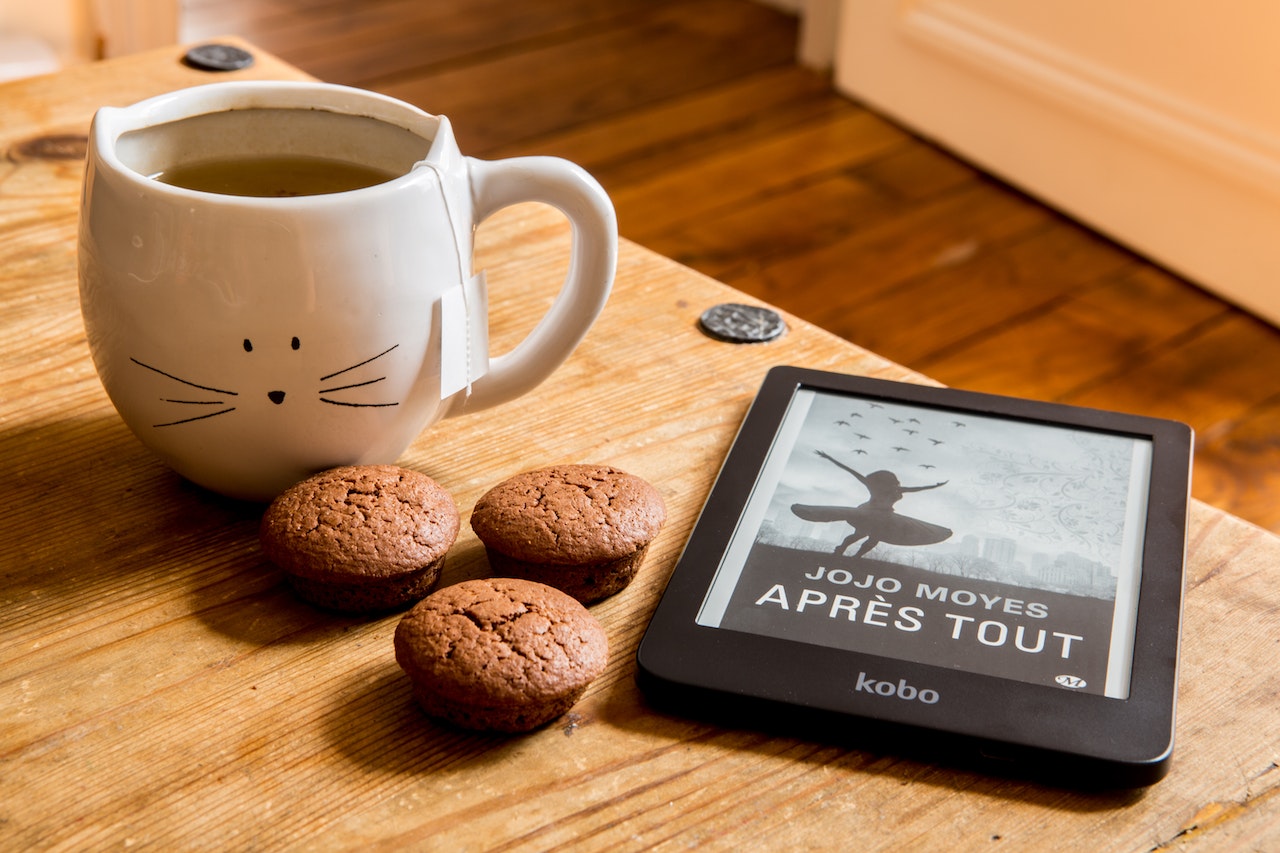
[58, 146]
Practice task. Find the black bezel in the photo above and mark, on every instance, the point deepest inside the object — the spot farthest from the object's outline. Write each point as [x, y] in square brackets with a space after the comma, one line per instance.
[1056, 735]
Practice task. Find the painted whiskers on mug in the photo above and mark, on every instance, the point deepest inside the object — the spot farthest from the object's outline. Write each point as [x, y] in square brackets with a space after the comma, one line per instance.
[276, 396]
[355, 384]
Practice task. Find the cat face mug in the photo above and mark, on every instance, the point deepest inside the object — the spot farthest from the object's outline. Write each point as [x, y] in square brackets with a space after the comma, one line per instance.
[275, 277]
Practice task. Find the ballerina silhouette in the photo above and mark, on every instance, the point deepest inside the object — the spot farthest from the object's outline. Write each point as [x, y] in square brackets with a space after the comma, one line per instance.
[875, 520]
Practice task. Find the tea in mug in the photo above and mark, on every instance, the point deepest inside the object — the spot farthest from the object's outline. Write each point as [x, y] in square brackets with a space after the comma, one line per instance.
[274, 176]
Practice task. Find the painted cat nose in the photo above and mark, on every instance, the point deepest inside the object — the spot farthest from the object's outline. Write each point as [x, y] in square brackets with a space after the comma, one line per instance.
[277, 397]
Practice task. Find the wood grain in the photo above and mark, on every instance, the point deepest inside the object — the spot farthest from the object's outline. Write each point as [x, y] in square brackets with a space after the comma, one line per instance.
[724, 155]
[161, 689]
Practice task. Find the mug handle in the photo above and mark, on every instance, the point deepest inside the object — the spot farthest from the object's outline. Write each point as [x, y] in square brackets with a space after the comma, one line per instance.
[593, 260]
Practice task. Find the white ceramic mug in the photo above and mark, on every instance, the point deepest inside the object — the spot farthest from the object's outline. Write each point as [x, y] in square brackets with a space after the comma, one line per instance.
[250, 341]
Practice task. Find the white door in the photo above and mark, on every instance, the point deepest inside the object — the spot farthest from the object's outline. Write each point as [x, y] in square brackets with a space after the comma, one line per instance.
[1154, 121]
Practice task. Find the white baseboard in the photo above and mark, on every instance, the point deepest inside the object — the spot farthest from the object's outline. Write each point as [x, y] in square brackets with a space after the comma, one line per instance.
[25, 56]
[1186, 186]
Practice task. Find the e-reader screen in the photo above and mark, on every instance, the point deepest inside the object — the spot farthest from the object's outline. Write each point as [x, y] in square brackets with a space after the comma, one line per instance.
[998, 546]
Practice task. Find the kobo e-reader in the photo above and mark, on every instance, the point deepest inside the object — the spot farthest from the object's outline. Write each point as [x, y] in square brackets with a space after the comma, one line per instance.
[952, 575]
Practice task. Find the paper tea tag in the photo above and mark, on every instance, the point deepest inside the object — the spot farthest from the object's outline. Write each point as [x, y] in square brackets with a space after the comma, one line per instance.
[464, 335]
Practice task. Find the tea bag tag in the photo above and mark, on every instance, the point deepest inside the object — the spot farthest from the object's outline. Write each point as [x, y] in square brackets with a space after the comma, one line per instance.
[464, 335]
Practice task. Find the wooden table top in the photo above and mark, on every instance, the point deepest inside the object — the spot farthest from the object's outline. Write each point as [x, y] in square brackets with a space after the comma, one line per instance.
[161, 688]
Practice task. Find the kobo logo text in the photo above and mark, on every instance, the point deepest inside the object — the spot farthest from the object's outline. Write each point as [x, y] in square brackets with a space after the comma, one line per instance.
[901, 690]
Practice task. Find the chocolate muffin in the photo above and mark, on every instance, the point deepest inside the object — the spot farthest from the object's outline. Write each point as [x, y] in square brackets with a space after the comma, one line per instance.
[583, 529]
[499, 654]
[361, 538]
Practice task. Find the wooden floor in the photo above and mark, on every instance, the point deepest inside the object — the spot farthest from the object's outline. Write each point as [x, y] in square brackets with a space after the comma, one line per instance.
[718, 151]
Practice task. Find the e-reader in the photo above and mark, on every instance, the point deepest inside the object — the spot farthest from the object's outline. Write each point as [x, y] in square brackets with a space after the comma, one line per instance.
[939, 572]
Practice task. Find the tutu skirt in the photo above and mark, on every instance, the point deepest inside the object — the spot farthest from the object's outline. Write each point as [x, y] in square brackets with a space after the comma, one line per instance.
[882, 525]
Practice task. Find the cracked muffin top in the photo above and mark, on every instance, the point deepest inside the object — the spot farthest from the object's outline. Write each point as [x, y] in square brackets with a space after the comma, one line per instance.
[500, 644]
[569, 514]
[371, 521]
